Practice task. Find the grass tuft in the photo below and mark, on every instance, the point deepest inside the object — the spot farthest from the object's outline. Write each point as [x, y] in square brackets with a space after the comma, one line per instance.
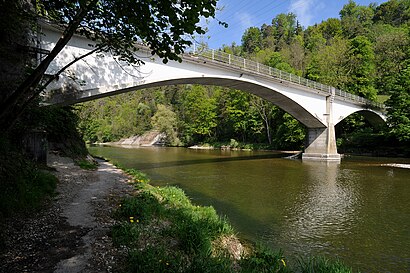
[322, 265]
[264, 260]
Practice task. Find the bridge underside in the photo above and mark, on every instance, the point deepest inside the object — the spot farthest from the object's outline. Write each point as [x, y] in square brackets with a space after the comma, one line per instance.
[320, 141]
[99, 76]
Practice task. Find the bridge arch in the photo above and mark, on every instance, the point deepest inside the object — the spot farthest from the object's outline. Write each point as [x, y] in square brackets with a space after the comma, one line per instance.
[374, 118]
[317, 106]
[71, 94]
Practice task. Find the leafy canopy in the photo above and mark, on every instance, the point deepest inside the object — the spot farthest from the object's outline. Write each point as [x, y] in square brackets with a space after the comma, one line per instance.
[117, 25]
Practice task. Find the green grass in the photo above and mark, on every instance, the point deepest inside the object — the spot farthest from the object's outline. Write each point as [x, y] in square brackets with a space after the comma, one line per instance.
[86, 164]
[322, 265]
[157, 218]
[26, 191]
[264, 260]
[23, 185]
[164, 232]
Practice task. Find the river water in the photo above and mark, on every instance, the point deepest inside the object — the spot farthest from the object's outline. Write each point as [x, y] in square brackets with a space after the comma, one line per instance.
[357, 211]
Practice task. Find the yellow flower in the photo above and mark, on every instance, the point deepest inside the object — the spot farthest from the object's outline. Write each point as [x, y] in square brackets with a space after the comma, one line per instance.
[131, 221]
[283, 262]
[138, 221]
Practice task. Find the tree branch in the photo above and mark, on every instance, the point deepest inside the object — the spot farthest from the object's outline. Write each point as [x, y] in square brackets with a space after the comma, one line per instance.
[27, 90]
[56, 75]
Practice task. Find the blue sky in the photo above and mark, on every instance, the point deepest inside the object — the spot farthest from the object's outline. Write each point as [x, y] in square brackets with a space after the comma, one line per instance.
[242, 14]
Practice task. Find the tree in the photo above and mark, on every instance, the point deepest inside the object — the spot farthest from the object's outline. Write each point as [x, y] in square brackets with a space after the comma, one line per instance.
[356, 19]
[198, 112]
[314, 40]
[252, 40]
[393, 12]
[290, 134]
[398, 111]
[238, 118]
[285, 28]
[294, 54]
[276, 61]
[331, 28]
[165, 121]
[265, 111]
[390, 48]
[328, 65]
[115, 26]
[361, 69]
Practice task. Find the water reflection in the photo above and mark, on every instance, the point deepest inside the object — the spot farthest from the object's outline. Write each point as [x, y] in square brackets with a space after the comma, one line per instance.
[325, 209]
[357, 211]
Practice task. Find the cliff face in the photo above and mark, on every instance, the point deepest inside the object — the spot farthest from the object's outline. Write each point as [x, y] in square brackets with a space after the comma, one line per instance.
[150, 138]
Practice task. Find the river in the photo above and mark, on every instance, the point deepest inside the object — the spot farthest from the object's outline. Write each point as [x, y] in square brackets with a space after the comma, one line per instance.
[357, 211]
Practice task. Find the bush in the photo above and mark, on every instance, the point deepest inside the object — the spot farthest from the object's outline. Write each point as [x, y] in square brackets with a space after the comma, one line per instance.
[23, 187]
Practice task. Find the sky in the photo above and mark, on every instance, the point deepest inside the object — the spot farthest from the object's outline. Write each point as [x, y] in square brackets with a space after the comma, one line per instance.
[242, 14]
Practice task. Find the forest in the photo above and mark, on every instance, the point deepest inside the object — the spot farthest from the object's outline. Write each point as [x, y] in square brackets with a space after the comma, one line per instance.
[364, 52]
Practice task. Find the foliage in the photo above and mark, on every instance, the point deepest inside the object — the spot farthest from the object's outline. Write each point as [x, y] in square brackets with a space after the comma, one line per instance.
[361, 66]
[399, 107]
[264, 260]
[87, 164]
[252, 40]
[363, 52]
[356, 19]
[116, 26]
[165, 121]
[157, 217]
[164, 232]
[22, 184]
[198, 113]
[322, 265]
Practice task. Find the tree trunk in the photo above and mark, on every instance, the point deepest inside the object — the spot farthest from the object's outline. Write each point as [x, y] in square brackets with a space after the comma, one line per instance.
[13, 106]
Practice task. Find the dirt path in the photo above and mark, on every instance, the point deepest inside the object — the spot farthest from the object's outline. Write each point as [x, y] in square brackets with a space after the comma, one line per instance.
[71, 233]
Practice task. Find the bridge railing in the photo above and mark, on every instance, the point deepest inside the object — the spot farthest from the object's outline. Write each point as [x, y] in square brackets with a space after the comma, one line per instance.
[252, 66]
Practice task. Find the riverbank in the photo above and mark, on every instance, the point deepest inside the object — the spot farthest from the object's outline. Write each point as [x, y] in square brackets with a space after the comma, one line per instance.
[70, 233]
[98, 222]
[164, 232]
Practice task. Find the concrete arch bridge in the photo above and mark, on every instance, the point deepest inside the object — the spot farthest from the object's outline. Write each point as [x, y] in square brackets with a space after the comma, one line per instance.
[319, 107]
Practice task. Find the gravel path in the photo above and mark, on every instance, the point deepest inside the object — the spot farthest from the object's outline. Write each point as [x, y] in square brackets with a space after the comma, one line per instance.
[71, 234]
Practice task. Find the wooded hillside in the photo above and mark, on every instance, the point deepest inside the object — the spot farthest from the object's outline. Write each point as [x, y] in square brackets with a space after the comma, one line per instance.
[365, 51]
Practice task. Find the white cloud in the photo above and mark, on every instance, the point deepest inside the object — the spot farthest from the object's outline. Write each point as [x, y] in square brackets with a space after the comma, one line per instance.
[304, 10]
[245, 19]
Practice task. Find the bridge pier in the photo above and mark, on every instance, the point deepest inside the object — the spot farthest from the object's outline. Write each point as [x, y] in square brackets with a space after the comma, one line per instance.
[321, 145]
[321, 142]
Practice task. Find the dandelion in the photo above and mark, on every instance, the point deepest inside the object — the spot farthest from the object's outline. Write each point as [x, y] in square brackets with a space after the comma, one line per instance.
[283, 262]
